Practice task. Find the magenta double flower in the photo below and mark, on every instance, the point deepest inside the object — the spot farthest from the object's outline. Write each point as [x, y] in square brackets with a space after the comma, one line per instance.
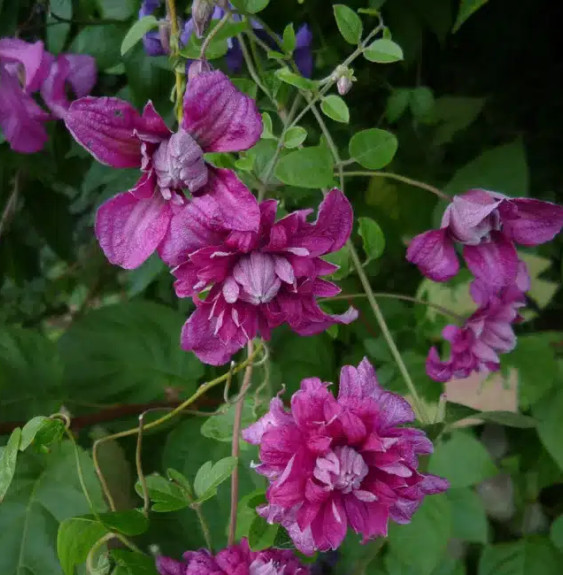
[339, 462]
[26, 69]
[217, 118]
[257, 279]
[488, 225]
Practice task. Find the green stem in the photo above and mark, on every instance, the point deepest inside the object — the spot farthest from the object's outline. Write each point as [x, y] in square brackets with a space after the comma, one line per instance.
[90, 568]
[174, 48]
[399, 178]
[153, 424]
[251, 70]
[212, 34]
[139, 466]
[204, 526]
[81, 473]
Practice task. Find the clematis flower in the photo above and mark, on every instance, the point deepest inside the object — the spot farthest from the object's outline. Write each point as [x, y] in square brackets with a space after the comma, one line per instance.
[27, 68]
[475, 347]
[488, 225]
[234, 560]
[339, 462]
[257, 280]
[217, 118]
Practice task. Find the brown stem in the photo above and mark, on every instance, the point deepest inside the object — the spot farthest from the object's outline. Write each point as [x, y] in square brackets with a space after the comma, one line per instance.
[236, 447]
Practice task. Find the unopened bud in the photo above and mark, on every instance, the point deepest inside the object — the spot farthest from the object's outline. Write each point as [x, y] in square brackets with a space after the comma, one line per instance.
[164, 34]
[202, 11]
[343, 85]
[198, 67]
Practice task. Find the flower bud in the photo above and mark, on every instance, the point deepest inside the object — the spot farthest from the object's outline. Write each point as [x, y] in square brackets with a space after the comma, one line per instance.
[202, 11]
[343, 85]
[164, 35]
[198, 67]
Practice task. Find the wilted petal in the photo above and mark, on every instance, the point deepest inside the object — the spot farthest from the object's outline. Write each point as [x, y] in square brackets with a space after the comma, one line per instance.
[106, 128]
[533, 222]
[433, 252]
[219, 116]
[494, 262]
[437, 369]
[129, 230]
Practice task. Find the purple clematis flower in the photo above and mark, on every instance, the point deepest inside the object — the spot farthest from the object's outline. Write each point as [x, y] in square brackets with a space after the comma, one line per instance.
[217, 118]
[339, 462]
[259, 280]
[486, 333]
[488, 225]
[234, 560]
[22, 120]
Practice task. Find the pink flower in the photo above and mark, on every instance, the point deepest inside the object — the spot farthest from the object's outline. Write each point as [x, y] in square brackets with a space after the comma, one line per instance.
[217, 118]
[235, 560]
[488, 225]
[258, 280]
[334, 462]
[485, 334]
[22, 120]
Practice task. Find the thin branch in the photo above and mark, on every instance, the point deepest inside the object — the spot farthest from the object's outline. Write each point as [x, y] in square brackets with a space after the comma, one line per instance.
[212, 34]
[174, 49]
[10, 206]
[236, 447]
[139, 466]
[251, 70]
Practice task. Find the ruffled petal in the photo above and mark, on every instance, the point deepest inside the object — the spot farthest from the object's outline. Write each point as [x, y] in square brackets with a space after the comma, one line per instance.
[219, 116]
[129, 230]
[434, 254]
[533, 222]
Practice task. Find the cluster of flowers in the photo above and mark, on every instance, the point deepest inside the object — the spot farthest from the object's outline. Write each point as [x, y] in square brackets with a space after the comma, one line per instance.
[488, 225]
[331, 463]
[157, 43]
[26, 69]
[257, 273]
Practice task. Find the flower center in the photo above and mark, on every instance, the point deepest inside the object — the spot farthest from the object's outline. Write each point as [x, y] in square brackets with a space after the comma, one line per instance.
[256, 275]
[343, 469]
[179, 164]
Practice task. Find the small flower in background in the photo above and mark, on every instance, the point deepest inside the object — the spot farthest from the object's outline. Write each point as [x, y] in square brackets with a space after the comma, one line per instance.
[26, 69]
[486, 333]
[234, 560]
[217, 118]
[258, 280]
[488, 225]
[339, 462]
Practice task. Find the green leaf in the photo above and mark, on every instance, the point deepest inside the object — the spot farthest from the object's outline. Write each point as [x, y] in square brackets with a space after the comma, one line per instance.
[261, 534]
[373, 148]
[267, 128]
[550, 423]
[462, 460]
[165, 495]
[130, 522]
[288, 39]
[349, 23]
[210, 476]
[503, 169]
[218, 46]
[127, 352]
[122, 10]
[343, 260]
[530, 556]
[422, 103]
[220, 427]
[101, 42]
[75, 538]
[306, 168]
[372, 236]
[250, 6]
[138, 280]
[57, 31]
[469, 520]
[466, 9]
[397, 104]
[8, 461]
[294, 137]
[137, 31]
[289, 77]
[508, 419]
[335, 107]
[422, 542]
[132, 563]
[556, 533]
[30, 429]
[50, 431]
[383, 51]
[454, 114]
[46, 491]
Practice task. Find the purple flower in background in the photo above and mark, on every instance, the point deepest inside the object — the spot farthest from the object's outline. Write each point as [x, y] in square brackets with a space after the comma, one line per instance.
[258, 280]
[486, 333]
[217, 118]
[488, 225]
[27, 68]
[339, 462]
[234, 560]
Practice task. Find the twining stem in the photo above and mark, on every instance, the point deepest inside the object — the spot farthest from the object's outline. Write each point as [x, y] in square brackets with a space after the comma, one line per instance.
[250, 65]
[11, 203]
[212, 34]
[174, 49]
[139, 466]
[442, 310]
[157, 422]
[204, 526]
[80, 472]
[235, 450]
[90, 567]
[399, 178]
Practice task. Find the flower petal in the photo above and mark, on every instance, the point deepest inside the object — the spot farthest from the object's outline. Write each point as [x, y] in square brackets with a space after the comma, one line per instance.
[219, 116]
[32, 57]
[434, 254]
[129, 230]
[534, 222]
[494, 262]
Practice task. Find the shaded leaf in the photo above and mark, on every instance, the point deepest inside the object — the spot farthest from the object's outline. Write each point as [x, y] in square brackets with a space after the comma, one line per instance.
[8, 461]
[306, 168]
[210, 476]
[75, 537]
[349, 23]
[372, 236]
